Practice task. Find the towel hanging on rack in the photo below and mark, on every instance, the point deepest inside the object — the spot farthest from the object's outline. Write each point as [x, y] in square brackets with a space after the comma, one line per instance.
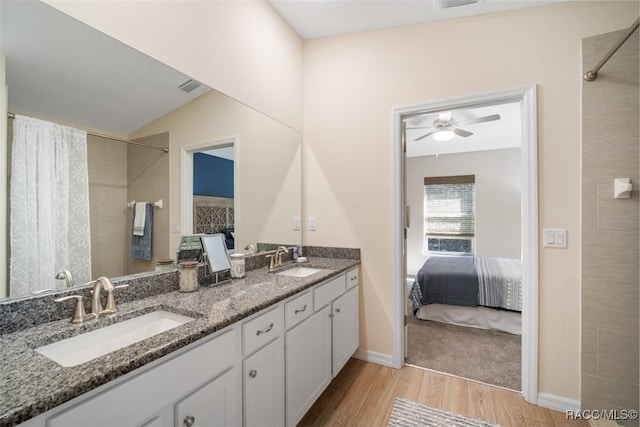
[139, 218]
[141, 246]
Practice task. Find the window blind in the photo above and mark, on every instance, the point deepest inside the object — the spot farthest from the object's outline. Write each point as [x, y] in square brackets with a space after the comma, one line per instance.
[449, 205]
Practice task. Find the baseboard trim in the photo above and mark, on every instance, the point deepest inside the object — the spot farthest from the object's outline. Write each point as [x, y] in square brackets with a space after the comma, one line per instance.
[558, 403]
[373, 357]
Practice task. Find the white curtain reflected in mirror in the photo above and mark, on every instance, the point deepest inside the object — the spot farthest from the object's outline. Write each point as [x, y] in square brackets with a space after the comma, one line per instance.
[49, 199]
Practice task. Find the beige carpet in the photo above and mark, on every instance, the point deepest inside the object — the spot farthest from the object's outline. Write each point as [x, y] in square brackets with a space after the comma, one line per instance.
[492, 357]
[406, 413]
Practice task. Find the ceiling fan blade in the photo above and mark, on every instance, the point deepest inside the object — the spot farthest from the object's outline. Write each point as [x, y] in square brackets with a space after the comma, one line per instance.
[461, 132]
[424, 136]
[481, 119]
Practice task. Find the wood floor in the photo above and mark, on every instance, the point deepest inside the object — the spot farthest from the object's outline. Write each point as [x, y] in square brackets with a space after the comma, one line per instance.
[363, 394]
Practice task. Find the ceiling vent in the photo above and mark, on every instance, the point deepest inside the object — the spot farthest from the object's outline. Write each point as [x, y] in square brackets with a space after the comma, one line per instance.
[444, 4]
[189, 85]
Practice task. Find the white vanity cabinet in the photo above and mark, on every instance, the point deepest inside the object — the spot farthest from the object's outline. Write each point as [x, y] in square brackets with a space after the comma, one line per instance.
[345, 329]
[216, 403]
[263, 370]
[319, 347]
[266, 370]
[263, 384]
[308, 363]
[201, 382]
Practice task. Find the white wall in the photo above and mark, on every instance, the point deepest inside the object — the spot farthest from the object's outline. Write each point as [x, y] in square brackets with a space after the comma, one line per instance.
[352, 84]
[240, 48]
[498, 185]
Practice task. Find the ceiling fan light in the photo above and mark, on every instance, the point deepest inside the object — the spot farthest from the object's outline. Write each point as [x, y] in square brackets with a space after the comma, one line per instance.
[444, 135]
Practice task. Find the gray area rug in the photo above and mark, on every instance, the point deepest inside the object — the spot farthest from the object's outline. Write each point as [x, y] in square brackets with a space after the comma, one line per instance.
[406, 413]
[491, 357]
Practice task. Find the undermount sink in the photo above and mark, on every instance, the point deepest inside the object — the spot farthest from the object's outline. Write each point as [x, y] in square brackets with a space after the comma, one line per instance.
[85, 347]
[300, 271]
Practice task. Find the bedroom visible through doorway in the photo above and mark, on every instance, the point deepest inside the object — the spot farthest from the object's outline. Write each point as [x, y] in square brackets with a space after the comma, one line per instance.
[468, 287]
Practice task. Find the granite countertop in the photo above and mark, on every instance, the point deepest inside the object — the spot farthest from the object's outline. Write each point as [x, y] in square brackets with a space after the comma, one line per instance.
[33, 384]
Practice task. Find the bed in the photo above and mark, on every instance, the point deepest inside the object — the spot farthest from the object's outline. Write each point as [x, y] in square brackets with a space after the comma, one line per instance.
[484, 292]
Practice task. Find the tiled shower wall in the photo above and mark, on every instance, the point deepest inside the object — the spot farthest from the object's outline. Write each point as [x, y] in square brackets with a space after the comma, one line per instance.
[610, 228]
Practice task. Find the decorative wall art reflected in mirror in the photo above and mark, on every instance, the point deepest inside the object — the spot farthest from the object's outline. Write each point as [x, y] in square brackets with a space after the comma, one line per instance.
[72, 91]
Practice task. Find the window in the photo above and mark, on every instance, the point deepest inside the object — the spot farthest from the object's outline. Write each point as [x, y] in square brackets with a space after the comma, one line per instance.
[449, 214]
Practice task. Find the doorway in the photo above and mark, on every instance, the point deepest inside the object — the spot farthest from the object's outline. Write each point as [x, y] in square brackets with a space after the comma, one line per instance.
[222, 202]
[525, 100]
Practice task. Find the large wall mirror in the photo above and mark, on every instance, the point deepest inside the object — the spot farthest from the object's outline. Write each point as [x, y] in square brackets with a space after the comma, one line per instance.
[63, 71]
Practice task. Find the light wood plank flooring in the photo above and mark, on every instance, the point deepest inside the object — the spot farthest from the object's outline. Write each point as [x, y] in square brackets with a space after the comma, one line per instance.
[363, 394]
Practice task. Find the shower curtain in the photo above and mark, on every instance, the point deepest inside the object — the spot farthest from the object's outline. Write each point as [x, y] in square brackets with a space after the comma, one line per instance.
[49, 199]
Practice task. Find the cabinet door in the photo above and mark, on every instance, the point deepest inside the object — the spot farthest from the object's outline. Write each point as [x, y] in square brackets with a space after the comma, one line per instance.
[345, 327]
[263, 379]
[218, 403]
[308, 364]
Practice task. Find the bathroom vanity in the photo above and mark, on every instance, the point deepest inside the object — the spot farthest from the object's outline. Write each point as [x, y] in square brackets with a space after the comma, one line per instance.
[259, 351]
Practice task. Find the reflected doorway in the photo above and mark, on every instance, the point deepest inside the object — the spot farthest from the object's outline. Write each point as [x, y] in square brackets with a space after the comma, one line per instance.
[208, 178]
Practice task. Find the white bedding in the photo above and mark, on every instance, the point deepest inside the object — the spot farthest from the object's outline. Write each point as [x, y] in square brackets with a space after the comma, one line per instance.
[477, 317]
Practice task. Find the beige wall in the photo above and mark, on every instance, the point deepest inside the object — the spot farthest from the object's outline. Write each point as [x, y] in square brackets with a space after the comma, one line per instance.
[241, 48]
[267, 165]
[351, 85]
[498, 188]
[610, 239]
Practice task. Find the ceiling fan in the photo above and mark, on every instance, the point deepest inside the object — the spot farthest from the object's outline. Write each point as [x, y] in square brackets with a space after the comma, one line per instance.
[446, 127]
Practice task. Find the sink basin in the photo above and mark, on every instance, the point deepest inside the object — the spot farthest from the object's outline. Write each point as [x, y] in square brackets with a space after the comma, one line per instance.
[83, 348]
[300, 271]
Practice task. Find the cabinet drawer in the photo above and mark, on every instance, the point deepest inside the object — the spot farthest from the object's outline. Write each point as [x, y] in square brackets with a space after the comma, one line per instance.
[352, 278]
[297, 310]
[264, 328]
[326, 293]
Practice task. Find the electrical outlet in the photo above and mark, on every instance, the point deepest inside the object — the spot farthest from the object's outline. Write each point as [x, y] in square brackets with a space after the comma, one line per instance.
[296, 223]
[313, 226]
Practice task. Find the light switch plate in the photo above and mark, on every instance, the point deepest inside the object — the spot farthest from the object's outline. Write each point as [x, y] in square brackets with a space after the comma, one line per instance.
[554, 238]
[313, 226]
[296, 223]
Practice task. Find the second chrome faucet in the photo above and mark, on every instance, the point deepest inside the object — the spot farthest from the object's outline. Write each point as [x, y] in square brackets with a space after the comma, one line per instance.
[97, 309]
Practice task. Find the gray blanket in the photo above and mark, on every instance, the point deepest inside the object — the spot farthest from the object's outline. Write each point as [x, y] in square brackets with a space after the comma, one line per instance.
[446, 280]
[468, 281]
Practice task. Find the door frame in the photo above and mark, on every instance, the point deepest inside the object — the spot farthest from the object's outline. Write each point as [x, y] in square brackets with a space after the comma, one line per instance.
[529, 228]
[186, 178]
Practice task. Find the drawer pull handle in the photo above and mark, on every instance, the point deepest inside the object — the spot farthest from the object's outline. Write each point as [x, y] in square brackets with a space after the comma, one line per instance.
[338, 310]
[264, 331]
[353, 278]
[189, 420]
[253, 373]
[301, 309]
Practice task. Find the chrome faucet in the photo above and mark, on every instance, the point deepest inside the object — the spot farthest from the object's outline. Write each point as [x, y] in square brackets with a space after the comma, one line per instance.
[278, 255]
[79, 315]
[96, 306]
[66, 276]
